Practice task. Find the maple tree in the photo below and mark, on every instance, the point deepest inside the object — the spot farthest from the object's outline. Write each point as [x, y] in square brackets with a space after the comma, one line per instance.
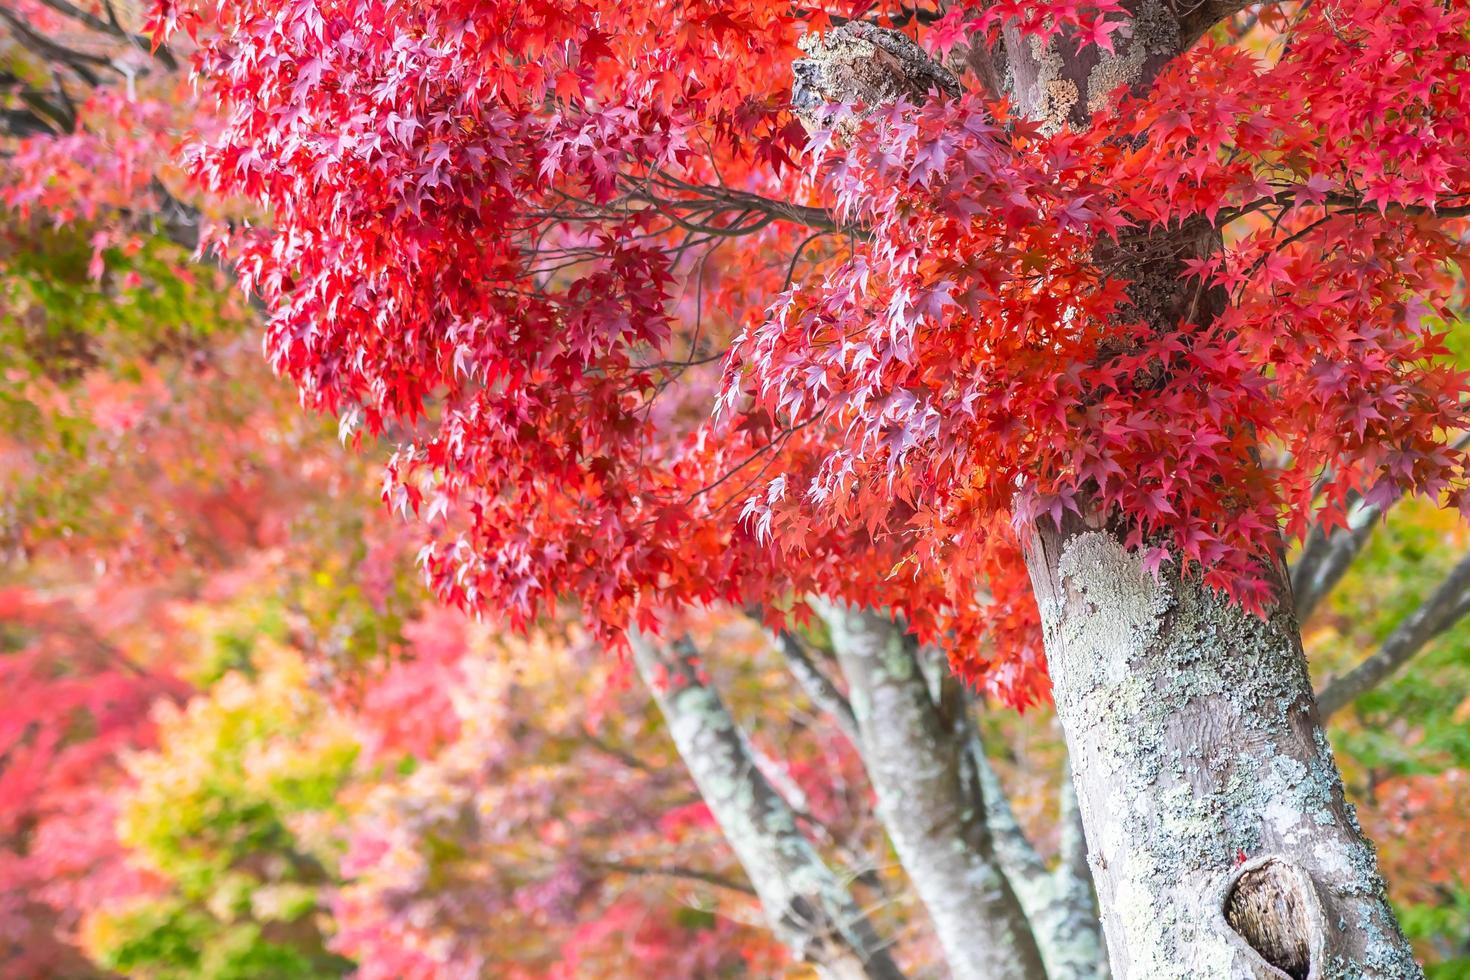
[503, 241]
[1175, 298]
[1126, 294]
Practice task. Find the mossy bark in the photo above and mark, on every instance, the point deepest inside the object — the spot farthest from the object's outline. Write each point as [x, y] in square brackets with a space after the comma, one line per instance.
[1218, 835]
[929, 799]
[1058, 901]
[807, 905]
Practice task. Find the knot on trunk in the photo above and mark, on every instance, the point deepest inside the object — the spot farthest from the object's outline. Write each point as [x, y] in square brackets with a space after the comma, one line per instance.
[1272, 905]
[863, 63]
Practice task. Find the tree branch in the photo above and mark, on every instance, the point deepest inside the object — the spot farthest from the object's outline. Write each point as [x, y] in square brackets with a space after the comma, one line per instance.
[729, 199]
[112, 28]
[1017, 855]
[1449, 603]
[1059, 903]
[1326, 557]
[622, 755]
[1073, 843]
[20, 123]
[1198, 21]
[817, 685]
[80, 62]
[1336, 205]
[805, 903]
[917, 762]
[675, 871]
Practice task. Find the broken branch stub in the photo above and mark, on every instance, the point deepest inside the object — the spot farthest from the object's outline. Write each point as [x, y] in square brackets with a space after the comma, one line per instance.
[864, 65]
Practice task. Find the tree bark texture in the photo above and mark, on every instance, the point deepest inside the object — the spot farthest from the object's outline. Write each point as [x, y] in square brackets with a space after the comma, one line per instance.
[918, 769]
[1218, 835]
[1058, 901]
[807, 905]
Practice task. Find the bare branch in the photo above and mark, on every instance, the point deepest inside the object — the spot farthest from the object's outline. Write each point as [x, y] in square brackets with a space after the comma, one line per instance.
[44, 112]
[728, 199]
[804, 901]
[1072, 845]
[91, 20]
[1327, 556]
[1198, 20]
[627, 758]
[1073, 929]
[1059, 902]
[112, 28]
[1338, 205]
[918, 765]
[675, 871]
[817, 685]
[1439, 612]
[796, 256]
[1017, 855]
[20, 123]
[80, 62]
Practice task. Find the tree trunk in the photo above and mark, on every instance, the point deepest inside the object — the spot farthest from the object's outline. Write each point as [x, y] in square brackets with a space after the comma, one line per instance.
[1219, 839]
[1059, 902]
[917, 767]
[807, 906]
[1220, 842]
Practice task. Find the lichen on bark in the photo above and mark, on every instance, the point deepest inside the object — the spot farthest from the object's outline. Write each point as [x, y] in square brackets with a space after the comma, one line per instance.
[917, 762]
[805, 902]
[1194, 743]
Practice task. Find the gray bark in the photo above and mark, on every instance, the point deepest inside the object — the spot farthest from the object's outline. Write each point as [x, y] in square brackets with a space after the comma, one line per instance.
[1193, 734]
[937, 824]
[1058, 902]
[1195, 741]
[1326, 558]
[817, 685]
[807, 905]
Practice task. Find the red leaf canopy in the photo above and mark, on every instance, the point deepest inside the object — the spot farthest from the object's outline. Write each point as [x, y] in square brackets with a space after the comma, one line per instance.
[646, 345]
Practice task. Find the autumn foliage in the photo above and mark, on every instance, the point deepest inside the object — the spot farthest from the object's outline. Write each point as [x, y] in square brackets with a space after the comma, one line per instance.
[517, 234]
[646, 342]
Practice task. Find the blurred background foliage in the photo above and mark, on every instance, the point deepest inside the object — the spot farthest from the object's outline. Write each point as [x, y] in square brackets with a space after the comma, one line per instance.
[1405, 745]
